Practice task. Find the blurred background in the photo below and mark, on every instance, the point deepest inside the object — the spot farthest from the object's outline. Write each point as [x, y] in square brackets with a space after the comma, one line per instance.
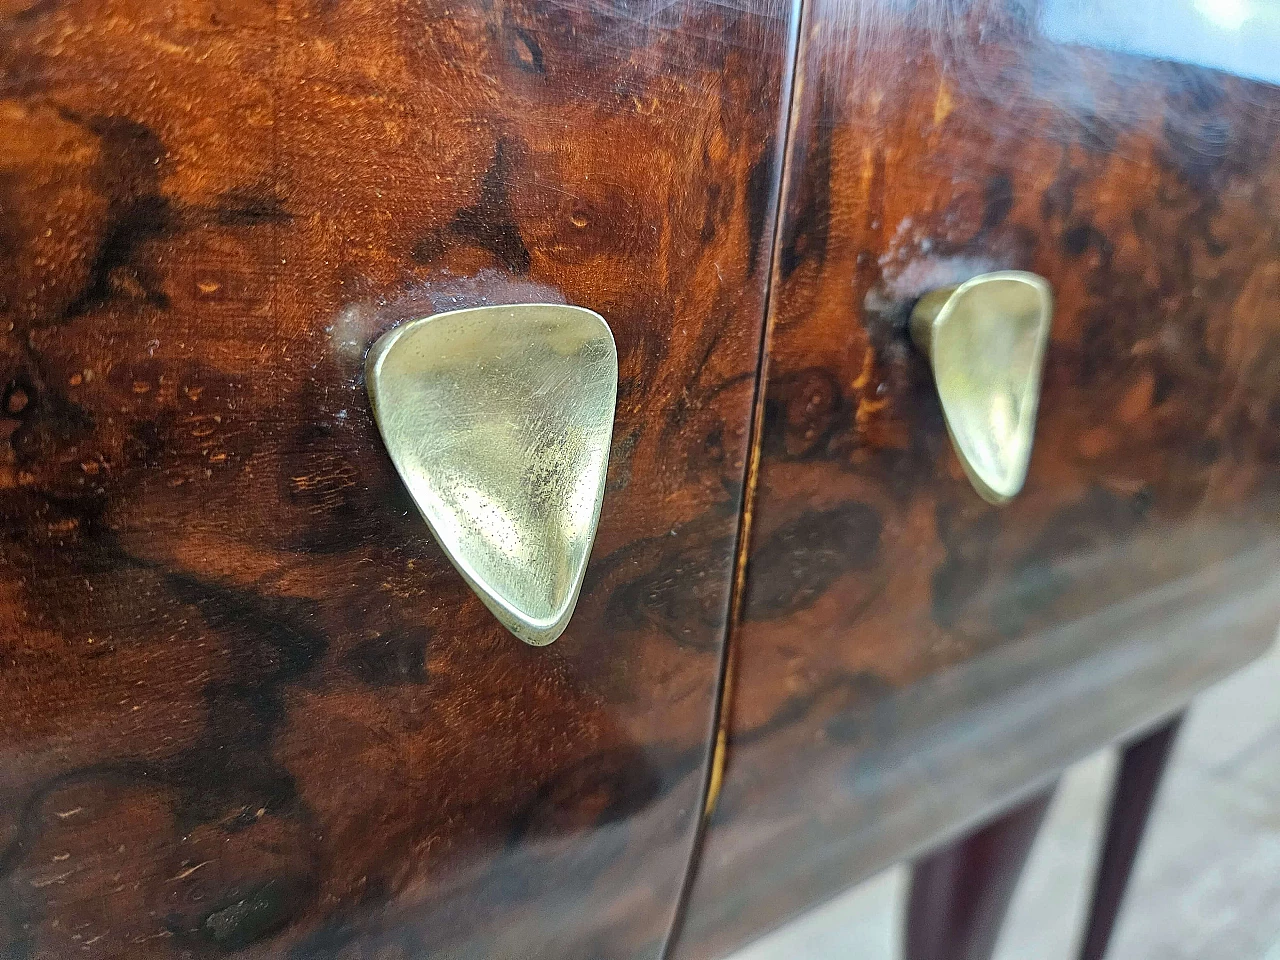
[1207, 882]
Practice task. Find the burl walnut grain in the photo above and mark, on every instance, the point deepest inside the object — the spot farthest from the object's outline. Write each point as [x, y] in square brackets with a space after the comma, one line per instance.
[245, 703]
[908, 658]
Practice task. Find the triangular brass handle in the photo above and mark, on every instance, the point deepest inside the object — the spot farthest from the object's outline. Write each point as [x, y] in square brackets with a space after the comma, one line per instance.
[499, 420]
[986, 339]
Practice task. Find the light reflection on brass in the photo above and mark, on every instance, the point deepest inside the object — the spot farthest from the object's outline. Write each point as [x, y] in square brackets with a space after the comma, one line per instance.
[986, 339]
[499, 420]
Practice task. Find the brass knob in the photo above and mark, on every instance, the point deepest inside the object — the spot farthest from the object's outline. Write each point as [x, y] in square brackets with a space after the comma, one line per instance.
[986, 341]
[498, 420]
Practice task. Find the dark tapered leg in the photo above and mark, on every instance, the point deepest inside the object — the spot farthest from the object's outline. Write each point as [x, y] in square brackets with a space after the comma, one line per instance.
[1141, 766]
[959, 894]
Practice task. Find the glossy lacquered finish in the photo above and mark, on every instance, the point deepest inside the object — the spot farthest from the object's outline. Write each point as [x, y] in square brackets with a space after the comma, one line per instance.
[246, 704]
[909, 659]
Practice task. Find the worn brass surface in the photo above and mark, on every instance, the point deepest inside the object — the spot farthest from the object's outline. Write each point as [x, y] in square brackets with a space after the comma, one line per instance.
[498, 420]
[986, 339]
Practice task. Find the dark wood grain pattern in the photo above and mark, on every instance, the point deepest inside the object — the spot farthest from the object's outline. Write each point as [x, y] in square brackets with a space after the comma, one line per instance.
[906, 656]
[245, 703]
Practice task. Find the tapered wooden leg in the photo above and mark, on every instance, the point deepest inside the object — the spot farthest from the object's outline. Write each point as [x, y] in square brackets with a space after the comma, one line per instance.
[959, 894]
[1141, 767]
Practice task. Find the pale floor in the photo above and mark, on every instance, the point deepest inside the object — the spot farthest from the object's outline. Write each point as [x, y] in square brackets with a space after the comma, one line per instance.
[1207, 882]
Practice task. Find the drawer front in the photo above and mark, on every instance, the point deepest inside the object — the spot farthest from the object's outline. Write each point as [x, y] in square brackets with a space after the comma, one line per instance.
[907, 656]
[246, 702]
